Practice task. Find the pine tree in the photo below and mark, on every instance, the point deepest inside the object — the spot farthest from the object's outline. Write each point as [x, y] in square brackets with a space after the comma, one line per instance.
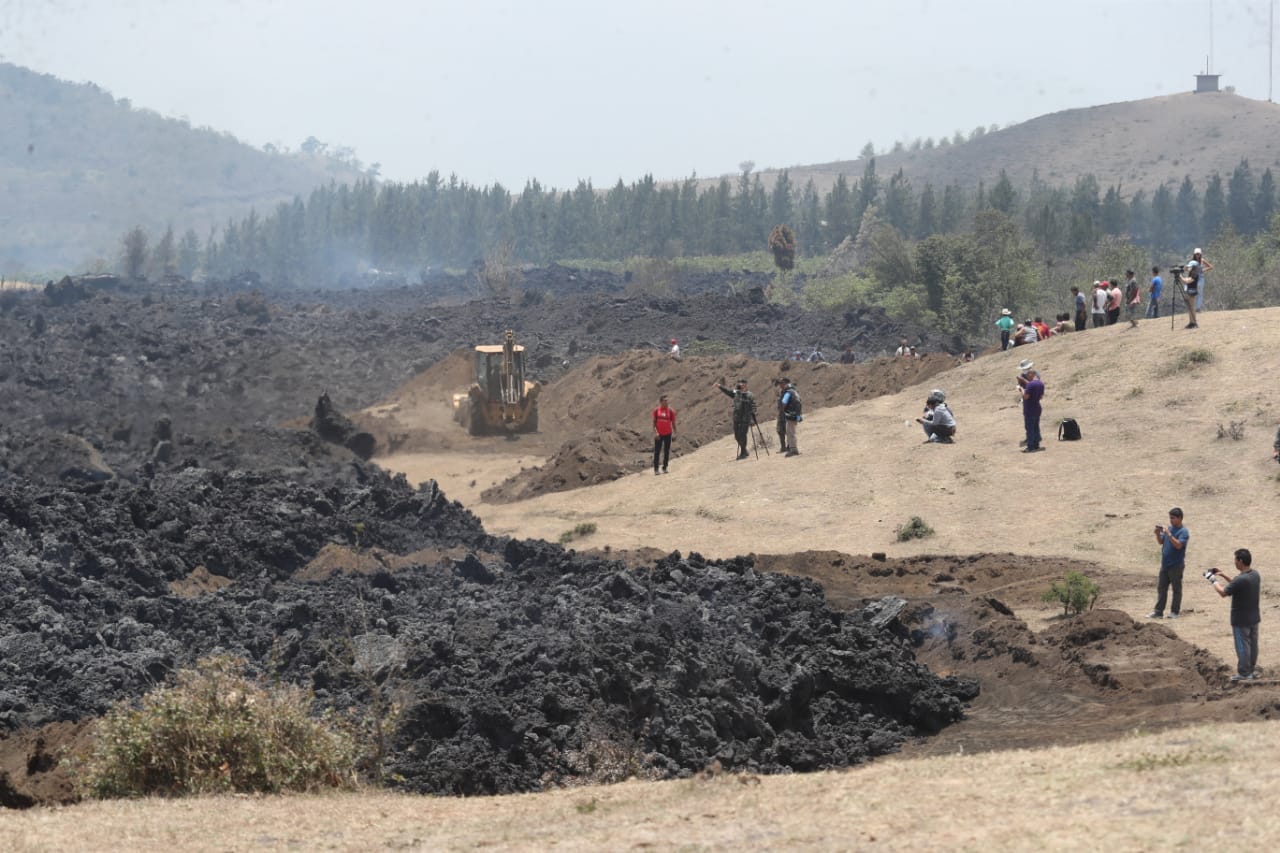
[1003, 196]
[1186, 215]
[1215, 216]
[1241, 196]
[1264, 206]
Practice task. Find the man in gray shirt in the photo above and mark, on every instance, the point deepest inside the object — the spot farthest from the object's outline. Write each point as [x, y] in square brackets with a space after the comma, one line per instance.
[1245, 592]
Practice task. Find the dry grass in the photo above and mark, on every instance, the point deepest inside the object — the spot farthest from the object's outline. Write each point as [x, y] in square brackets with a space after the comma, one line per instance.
[1202, 788]
[1083, 141]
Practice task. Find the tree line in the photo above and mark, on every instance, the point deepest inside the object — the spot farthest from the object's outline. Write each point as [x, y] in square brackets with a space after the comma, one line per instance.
[437, 222]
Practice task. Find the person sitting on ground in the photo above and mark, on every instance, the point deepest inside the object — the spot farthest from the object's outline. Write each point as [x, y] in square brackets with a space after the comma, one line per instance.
[904, 349]
[1029, 333]
[847, 357]
[1042, 328]
[674, 352]
[816, 356]
[938, 421]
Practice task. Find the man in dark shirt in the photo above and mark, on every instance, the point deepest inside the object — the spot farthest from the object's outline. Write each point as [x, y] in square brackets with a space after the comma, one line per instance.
[1245, 592]
[744, 413]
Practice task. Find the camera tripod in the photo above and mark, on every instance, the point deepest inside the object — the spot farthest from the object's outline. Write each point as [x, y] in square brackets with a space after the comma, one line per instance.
[757, 437]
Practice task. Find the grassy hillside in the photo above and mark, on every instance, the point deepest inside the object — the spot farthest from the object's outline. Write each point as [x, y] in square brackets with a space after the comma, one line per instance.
[78, 168]
[1133, 144]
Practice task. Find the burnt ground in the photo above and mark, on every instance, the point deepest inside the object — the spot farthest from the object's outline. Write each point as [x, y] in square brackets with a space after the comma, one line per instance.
[127, 553]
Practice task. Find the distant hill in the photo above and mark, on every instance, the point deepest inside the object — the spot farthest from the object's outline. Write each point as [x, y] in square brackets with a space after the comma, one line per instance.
[78, 168]
[1134, 144]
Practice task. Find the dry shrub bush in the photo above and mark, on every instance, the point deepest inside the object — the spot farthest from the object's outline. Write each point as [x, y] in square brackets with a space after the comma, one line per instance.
[915, 528]
[216, 731]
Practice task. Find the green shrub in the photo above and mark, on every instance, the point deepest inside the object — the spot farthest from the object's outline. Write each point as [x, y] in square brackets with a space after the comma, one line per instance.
[1076, 593]
[1187, 360]
[216, 731]
[914, 529]
[586, 528]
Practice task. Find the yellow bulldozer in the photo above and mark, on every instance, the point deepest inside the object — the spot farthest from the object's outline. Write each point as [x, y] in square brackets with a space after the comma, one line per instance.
[500, 399]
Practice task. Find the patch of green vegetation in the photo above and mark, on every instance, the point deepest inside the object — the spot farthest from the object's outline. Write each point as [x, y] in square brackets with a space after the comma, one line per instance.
[915, 528]
[753, 262]
[1187, 360]
[1148, 761]
[1076, 593]
[585, 528]
[216, 730]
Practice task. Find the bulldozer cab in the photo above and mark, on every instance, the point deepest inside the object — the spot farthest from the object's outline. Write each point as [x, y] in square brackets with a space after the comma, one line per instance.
[500, 399]
[500, 371]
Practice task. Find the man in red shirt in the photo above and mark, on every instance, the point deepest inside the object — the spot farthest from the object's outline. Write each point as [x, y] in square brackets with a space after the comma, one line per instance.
[1114, 300]
[664, 429]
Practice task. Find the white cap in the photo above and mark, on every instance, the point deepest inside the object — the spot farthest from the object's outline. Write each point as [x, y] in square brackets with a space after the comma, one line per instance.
[1197, 252]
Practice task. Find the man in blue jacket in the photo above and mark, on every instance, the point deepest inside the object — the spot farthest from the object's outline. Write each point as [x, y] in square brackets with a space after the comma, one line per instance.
[1173, 559]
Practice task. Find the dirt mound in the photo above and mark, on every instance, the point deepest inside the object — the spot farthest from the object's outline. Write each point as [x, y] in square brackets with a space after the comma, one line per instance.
[603, 454]
[595, 420]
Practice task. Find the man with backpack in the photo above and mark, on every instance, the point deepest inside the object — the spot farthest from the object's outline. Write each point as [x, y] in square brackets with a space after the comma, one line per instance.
[790, 408]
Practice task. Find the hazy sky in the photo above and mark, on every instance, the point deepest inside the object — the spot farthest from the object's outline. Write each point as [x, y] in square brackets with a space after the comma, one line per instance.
[506, 90]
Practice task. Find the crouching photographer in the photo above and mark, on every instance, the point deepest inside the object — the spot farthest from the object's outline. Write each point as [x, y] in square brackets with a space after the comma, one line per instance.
[938, 421]
[1245, 592]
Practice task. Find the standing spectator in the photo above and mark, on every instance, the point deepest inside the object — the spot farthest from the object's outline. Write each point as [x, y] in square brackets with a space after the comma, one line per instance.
[674, 352]
[1115, 298]
[1099, 304]
[781, 425]
[664, 429]
[1153, 293]
[1032, 388]
[789, 406]
[1132, 297]
[1081, 312]
[1191, 291]
[1005, 325]
[846, 357]
[1205, 266]
[1245, 592]
[744, 413]
[1173, 558]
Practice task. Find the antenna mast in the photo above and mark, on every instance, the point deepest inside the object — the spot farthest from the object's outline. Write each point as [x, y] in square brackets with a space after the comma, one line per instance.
[1209, 70]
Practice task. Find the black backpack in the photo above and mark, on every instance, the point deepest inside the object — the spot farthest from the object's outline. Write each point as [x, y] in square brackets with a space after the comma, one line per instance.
[793, 408]
[1068, 430]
